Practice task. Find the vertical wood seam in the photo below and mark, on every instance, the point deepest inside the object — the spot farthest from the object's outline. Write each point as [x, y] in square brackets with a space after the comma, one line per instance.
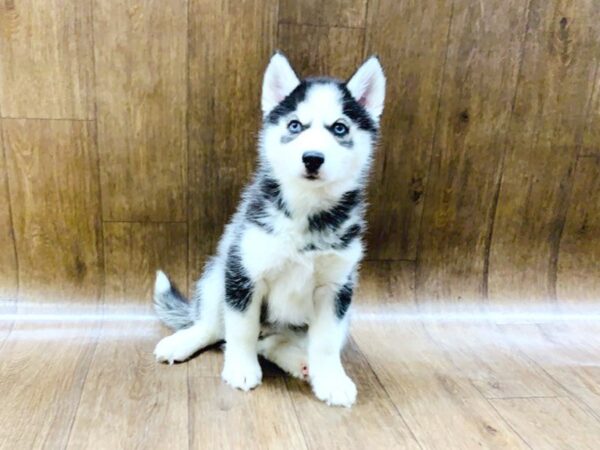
[588, 107]
[186, 201]
[10, 216]
[495, 199]
[101, 255]
[432, 152]
[364, 28]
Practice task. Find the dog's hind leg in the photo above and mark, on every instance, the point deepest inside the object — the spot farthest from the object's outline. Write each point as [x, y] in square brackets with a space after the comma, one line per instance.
[207, 329]
[288, 350]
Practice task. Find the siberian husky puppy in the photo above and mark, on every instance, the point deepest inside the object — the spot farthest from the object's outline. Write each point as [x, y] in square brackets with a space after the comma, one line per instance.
[281, 282]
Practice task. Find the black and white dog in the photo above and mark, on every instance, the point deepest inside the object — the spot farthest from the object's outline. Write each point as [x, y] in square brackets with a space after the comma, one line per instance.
[282, 281]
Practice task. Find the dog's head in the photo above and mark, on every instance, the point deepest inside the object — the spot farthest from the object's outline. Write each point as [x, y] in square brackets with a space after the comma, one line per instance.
[320, 132]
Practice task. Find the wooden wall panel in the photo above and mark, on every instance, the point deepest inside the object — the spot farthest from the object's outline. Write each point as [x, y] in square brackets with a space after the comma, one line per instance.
[413, 67]
[561, 51]
[53, 179]
[475, 105]
[347, 13]
[8, 254]
[591, 133]
[578, 276]
[140, 50]
[133, 252]
[320, 50]
[230, 45]
[47, 59]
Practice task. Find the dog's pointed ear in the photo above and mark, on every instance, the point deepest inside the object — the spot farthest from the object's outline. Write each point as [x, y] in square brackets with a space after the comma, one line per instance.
[280, 80]
[367, 86]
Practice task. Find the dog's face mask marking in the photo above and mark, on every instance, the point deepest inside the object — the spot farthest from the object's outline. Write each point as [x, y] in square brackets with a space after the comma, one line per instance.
[320, 132]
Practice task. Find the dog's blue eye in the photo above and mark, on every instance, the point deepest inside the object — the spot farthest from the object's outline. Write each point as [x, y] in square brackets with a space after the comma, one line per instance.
[339, 129]
[294, 126]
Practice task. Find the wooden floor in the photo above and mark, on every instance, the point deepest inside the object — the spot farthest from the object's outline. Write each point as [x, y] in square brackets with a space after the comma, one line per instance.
[430, 378]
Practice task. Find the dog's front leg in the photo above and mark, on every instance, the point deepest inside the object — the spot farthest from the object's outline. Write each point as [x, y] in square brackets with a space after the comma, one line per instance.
[326, 337]
[242, 326]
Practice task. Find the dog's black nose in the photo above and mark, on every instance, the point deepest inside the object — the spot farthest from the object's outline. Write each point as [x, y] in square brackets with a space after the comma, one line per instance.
[312, 161]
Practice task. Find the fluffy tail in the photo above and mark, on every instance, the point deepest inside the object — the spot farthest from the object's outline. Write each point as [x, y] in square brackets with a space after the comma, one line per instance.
[172, 307]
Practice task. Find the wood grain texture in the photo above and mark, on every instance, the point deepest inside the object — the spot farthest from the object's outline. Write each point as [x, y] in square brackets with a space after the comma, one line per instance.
[158, 393]
[140, 51]
[475, 106]
[229, 47]
[578, 273]
[555, 85]
[43, 366]
[435, 397]
[429, 391]
[333, 13]
[547, 423]
[320, 50]
[413, 67]
[53, 178]
[590, 143]
[8, 256]
[133, 252]
[47, 59]
[221, 417]
[495, 367]
[569, 354]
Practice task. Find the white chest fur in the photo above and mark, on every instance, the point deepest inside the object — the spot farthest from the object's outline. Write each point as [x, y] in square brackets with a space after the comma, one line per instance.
[290, 272]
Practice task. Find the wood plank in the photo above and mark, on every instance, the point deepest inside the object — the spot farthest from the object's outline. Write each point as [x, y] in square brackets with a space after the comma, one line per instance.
[43, 366]
[8, 255]
[494, 366]
[428, 390]
[47, 59]
[548, 423]
[373, 422]
[475, 108]
[226, 64]
[321, 50]
[561, 50]
[333, 13]
[578, 276]
[591, 133]
[413, 68]
[221, 417]
[568, 354]
[53, 179]
[140, 51]
[156, 393]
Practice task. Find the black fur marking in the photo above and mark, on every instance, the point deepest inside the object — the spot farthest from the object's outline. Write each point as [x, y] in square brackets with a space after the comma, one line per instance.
[351, 107]
[337, 215]
[356, 112]
[269, 192]
[346, 239]
[343, 299]
[288, 104]
[238, 286]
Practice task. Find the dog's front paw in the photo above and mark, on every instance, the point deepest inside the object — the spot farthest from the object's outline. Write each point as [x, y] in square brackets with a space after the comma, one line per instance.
[336, 389]
[172, 348]
[244, 374]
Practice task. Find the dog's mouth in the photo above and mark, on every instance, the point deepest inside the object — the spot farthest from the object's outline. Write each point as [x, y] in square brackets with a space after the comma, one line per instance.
[311, 176]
